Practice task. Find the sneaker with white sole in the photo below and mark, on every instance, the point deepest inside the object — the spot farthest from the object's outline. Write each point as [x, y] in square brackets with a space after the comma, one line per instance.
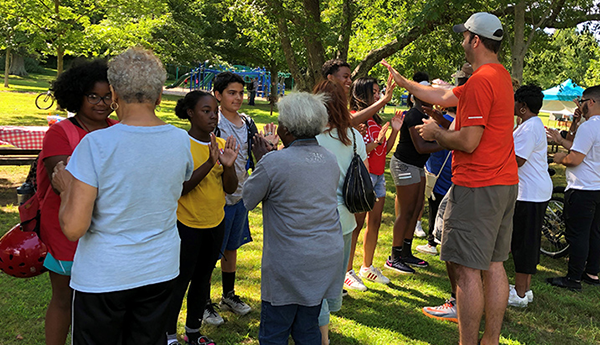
[373, 274]
[233, 303]
[528, 293]
[211, 316]
[419, 230]
[427, 249]
[398, 265]
[446, 311]
[515, 301]
[353, 282]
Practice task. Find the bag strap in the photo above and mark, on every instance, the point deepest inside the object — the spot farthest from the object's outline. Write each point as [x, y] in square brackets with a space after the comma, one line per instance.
[443, 164]
[353, 141]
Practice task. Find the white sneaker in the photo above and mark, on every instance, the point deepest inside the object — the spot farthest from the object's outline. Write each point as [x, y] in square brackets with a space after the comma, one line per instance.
[211, 316]
[353, 282]
[528, 293]
[419, 230]
[427, 249]
[515, 301]
[234, 303]
[373, 274]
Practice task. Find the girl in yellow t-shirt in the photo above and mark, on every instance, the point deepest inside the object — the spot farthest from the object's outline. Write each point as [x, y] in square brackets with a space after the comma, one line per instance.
[200, 213]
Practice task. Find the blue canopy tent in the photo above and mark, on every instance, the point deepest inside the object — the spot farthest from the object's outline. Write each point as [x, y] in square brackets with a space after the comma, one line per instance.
[559, 99]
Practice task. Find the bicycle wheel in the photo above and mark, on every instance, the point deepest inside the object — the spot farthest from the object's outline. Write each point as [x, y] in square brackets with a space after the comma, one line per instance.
[554, 243]
[44, 101]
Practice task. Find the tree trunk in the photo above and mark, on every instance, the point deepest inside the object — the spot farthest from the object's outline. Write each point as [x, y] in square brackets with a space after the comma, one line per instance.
[60, 54]
[17, 66]
[519, 47]
[7, 66]
[312, 41]
[286, 44]
[274, 81]
[345, 30]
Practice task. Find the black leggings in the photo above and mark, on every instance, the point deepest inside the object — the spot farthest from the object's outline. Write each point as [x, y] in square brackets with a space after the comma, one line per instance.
[199, 254]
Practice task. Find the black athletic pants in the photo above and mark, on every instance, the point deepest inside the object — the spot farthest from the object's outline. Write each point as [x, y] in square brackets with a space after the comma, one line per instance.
[582, 218]
[134, 316]
[199, 255]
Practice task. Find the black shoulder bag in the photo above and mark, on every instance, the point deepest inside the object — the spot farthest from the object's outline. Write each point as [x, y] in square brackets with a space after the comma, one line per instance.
[358, 192]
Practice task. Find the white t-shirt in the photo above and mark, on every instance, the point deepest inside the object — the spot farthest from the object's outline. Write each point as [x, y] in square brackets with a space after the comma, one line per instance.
[139, 173]
[343, 154]
[535, 184]
[586, 176]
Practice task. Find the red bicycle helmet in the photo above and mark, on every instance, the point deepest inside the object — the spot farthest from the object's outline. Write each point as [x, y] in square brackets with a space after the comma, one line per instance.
[22, 253]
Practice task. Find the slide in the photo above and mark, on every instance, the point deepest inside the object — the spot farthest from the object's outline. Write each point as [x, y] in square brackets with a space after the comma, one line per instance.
[179, 81]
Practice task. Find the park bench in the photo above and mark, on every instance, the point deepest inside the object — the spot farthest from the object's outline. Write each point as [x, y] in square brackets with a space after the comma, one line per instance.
[17, 156]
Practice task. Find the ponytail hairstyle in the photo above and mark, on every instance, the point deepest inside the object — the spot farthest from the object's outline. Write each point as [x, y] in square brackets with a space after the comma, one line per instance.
[189, 103]
[361, 96]
[336, 104]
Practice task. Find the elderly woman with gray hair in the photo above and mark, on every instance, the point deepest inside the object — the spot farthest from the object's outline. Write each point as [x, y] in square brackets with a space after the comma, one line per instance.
[119, 196]
[303, 246]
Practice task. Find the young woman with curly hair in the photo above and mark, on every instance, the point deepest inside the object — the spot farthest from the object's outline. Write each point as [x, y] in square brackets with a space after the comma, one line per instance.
[83, 89]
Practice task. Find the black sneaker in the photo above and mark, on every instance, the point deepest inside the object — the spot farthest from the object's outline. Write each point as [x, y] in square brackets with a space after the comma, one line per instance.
[565, 283]
[398, 265]
[414, 261]
[587, 279]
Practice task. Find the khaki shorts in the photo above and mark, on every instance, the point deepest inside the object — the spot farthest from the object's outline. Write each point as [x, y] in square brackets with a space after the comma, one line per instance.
[478, 225]
[405, 174]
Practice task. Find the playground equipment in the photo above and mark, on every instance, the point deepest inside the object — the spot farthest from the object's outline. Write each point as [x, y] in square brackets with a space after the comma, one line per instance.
[201, 78]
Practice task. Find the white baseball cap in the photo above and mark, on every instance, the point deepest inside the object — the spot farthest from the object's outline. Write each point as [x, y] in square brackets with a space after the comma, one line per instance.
[483, 24]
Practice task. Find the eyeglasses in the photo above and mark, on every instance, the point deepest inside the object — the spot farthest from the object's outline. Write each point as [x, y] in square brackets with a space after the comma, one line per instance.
[95, 99]
[583, 100]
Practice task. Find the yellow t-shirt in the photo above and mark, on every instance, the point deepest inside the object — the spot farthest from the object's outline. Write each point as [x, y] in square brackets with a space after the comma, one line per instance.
[203, 206]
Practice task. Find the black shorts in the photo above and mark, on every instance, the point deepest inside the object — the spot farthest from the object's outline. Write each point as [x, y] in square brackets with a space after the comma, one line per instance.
[134, 316]
[527, 235]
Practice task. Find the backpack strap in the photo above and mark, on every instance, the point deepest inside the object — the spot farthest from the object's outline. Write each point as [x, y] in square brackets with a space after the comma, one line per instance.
[251, 131]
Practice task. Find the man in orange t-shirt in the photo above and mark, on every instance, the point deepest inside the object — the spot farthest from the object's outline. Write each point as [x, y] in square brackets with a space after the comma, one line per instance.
[478, 218]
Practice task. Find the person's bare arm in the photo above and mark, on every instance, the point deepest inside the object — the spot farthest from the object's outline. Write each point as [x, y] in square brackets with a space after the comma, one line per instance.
[572, 159]
[437, 116]
[466, 139]
[50, 163]
[77, 203]
[555, 136]
[521, 161]
[421, 145]
[440, 96]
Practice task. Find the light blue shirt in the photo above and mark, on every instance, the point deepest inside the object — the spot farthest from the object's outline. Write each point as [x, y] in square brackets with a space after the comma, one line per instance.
[139, 173]
[343, 154]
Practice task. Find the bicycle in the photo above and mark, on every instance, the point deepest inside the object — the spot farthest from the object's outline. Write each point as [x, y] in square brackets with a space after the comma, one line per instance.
[554, 243]
[45, 100]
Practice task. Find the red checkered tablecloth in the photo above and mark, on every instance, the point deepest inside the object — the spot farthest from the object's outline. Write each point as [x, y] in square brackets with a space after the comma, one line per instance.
[23, 137]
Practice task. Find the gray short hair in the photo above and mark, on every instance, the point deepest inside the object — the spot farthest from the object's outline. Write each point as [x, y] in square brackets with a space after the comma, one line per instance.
[137, 75]
[303, 114]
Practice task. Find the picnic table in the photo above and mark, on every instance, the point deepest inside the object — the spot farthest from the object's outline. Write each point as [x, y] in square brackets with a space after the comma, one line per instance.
[25, 143]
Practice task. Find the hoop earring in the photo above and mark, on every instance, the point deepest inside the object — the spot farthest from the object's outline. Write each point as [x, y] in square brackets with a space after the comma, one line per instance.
[523, 111]
[114, 106]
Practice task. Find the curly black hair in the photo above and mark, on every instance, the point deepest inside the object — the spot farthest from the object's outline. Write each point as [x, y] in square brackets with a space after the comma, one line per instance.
[531, 96]
[73, 84]
[189, 102]
[331, 66]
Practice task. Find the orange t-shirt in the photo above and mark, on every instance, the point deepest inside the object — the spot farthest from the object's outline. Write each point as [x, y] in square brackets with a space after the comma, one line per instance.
[487, 100]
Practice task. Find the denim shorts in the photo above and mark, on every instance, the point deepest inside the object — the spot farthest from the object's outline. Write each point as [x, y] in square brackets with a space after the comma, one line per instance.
[378, 185]
[58, 266]
[237, 229]
[405, 174]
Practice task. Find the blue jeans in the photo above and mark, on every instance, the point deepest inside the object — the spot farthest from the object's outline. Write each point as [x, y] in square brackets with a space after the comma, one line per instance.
[278, 322]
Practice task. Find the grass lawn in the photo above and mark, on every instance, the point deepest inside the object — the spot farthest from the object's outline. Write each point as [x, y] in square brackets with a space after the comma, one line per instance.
[382, 315]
